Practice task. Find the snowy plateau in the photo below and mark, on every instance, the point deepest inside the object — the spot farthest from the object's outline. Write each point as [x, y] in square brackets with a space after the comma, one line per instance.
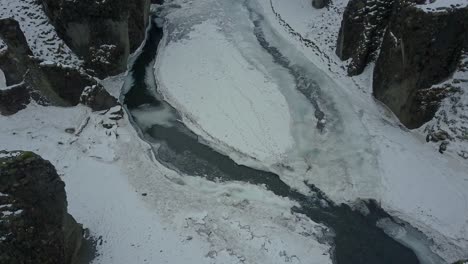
[231, 69]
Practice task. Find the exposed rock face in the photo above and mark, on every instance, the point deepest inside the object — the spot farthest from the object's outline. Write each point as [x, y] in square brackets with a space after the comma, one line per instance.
[35, 226]
[363, 25]
[15, 60]
[419, 49]
[97, 98]
[46, 83]
[14, 99]
[103, 33]
[416, 49]
[70, 83]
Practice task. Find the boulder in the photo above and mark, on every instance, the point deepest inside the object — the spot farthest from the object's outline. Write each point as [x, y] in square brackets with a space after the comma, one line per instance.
[97, 98]
[320, 3]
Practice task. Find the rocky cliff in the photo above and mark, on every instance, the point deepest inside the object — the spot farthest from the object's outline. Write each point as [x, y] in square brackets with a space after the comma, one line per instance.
[419, 49]
[103, 33]
[363, 25]
[413, 48]
[46, 82]
[34, 224]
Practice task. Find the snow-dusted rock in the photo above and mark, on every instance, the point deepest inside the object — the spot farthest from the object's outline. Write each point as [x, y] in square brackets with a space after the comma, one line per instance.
[103, 33]
[419, 49]
[34, 224]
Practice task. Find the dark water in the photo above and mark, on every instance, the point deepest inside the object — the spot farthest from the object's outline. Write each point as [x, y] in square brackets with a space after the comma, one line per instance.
[356, 238]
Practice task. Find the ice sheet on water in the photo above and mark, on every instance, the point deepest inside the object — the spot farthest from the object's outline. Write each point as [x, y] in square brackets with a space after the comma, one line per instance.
[411, 238]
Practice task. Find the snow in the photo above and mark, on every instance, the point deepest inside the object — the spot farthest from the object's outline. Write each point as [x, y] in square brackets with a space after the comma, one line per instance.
[442, 5]
[231, 93]
[40, 34]
[3, 84]
[113, 84]
[451, 116]
[364, 153]
[418, 184]
[181, 219]
[281, 117]
[3, 46]
[11, 213]
[206, 87]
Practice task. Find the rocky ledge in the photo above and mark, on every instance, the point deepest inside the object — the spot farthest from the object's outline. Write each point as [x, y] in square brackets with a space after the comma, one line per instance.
[34, 224]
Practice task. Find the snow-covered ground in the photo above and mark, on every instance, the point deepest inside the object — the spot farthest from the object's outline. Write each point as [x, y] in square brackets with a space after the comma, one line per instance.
[141, 212]
[418, 184]
[371, 156]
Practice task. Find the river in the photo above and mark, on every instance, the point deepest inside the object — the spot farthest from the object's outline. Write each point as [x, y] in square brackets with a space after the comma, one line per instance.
[356, 238]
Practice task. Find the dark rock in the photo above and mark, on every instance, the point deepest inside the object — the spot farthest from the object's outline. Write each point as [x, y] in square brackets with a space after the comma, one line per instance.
[14, 99]
[362, 28]
[443, 147]
[416, 49]
[107, 125]
[419, 49]
[68, 83]
[98, 98]
[438, 136]
[20, 68]
[103, 33]
[35, 226]
[15, 61]
[44, 82]
[70, 130]
[320, 3]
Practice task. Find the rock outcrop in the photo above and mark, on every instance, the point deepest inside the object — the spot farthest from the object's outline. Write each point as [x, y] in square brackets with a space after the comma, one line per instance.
[419, 49]
[103, 33]
[47, 83]
[34, 224]
[14, 99]
[363, 25]
[413, 49]
[14, 60]
[70, 84]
